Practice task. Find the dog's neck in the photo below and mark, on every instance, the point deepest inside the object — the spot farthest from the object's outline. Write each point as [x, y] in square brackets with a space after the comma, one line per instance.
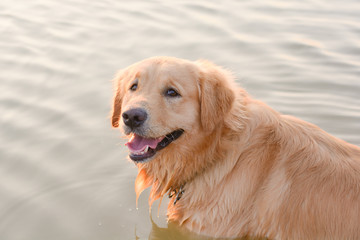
[186, 165]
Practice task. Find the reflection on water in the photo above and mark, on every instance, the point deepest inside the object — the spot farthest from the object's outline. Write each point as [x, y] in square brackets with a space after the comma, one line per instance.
[170, 232]
[63, 173]
[174, 232]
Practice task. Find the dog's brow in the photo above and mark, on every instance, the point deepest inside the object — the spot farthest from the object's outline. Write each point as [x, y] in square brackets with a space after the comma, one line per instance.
[138, 74]
[134, 80]
[173, 83]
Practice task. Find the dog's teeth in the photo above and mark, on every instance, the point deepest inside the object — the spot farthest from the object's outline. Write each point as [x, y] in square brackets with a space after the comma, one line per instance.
[141, 152]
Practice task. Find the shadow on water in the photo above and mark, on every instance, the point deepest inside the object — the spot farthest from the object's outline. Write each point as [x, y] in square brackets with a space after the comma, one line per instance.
[175, 232]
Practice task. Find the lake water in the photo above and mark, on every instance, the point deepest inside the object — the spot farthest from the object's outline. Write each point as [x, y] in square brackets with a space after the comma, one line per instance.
[63, 169]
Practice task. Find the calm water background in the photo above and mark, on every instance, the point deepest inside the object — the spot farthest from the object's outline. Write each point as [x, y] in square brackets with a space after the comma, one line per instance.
[63, 170]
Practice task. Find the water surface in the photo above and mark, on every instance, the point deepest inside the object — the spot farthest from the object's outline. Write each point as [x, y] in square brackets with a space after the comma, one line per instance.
[63, 170]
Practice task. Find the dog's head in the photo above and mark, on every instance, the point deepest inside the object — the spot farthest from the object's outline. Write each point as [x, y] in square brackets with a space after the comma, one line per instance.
[162, 101]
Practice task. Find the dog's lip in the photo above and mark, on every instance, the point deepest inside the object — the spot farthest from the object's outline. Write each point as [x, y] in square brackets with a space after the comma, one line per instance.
[142, 149]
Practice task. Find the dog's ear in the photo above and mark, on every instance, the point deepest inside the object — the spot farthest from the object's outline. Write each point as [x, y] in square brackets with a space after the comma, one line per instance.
[116, 110]
[216, 94]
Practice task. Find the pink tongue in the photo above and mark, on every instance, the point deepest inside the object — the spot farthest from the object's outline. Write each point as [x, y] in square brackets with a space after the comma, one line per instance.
[138, 143]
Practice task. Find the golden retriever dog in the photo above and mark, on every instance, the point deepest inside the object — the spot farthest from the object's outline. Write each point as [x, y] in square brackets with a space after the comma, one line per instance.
[231, 165]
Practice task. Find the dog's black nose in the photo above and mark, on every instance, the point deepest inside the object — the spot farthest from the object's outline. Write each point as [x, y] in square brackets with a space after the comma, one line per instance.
[134, 117]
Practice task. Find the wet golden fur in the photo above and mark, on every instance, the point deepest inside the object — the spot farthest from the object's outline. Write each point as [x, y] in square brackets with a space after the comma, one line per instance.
[247, 170]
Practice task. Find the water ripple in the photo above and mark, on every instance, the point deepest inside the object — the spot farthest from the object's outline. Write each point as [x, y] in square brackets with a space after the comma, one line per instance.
[62, 171]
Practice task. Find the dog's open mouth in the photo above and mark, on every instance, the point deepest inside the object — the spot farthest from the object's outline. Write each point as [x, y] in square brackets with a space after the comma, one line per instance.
[142, 149]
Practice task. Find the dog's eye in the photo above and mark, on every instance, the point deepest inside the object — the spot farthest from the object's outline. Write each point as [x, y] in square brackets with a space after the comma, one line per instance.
[172, 93]
[133, 87]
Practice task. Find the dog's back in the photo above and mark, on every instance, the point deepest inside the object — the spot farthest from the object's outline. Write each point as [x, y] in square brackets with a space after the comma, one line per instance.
[313, 191]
